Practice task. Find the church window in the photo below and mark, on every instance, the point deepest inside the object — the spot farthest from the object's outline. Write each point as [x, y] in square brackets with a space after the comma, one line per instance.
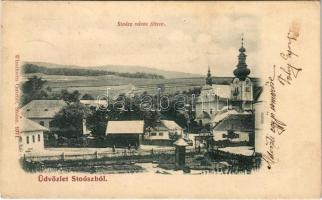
[211, 111]
[236, 81]
[247, 89]
[236, 91]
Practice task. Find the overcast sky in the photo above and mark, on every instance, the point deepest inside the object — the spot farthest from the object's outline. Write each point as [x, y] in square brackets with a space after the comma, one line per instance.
[190, 41]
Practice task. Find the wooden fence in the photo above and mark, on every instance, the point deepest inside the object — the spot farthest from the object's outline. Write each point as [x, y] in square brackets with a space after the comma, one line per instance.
[99, 155]
[122, 154]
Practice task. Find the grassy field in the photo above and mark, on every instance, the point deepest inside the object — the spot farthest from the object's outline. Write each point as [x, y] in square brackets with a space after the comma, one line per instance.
[97, 85]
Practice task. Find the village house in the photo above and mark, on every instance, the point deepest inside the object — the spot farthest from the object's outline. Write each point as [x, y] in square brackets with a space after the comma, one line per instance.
[42, 111]
[124, 133]
[235, 129]
[163, 133]
[32, 136]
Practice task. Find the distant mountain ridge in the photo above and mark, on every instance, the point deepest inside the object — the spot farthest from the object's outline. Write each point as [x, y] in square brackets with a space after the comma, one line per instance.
[121, 69]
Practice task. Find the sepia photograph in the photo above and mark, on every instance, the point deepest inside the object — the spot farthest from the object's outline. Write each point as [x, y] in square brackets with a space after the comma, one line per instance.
[192, 93]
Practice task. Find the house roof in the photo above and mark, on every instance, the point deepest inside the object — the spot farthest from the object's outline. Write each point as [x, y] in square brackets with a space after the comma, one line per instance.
[222, 114]
[30, 126]
[42, 108]
[237, 122]
[158, 127]
[125, 127]
[95, 102]
[169, 124]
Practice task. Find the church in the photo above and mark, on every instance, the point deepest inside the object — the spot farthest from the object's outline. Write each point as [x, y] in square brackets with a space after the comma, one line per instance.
[225, 105]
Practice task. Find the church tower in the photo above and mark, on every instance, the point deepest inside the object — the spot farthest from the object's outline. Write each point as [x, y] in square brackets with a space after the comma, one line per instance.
[209, 78]
[242, 87]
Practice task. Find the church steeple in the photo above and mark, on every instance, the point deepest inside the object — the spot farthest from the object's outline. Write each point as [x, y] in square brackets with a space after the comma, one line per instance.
[209, 78]
[242, 71]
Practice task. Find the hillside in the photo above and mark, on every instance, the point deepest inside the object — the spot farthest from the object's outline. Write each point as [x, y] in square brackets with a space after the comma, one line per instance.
[122, 69]
[29, 68]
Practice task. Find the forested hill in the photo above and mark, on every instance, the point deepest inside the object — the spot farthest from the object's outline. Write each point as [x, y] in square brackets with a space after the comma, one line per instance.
[29, 68]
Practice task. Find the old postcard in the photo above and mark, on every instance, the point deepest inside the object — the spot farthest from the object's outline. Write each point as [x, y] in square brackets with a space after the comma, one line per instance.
[160, 99]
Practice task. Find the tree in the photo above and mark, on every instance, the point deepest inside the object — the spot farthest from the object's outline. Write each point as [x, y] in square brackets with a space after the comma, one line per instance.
[70, 97]
[69, 120]
[150, 118]
[34, 88]
[96, 122]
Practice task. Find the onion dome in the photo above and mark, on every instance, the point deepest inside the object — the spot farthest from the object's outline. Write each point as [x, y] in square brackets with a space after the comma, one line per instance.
[242, 71]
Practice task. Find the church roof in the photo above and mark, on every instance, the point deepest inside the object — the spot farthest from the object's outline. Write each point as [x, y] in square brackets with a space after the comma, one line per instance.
[209, 93]
[242, 71]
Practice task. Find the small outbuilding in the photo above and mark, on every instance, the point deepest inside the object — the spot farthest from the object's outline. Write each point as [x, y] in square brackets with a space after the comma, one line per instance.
[125, 133]
[236, 130]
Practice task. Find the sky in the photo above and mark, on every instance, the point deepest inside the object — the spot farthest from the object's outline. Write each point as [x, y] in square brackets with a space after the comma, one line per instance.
[190, 41]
